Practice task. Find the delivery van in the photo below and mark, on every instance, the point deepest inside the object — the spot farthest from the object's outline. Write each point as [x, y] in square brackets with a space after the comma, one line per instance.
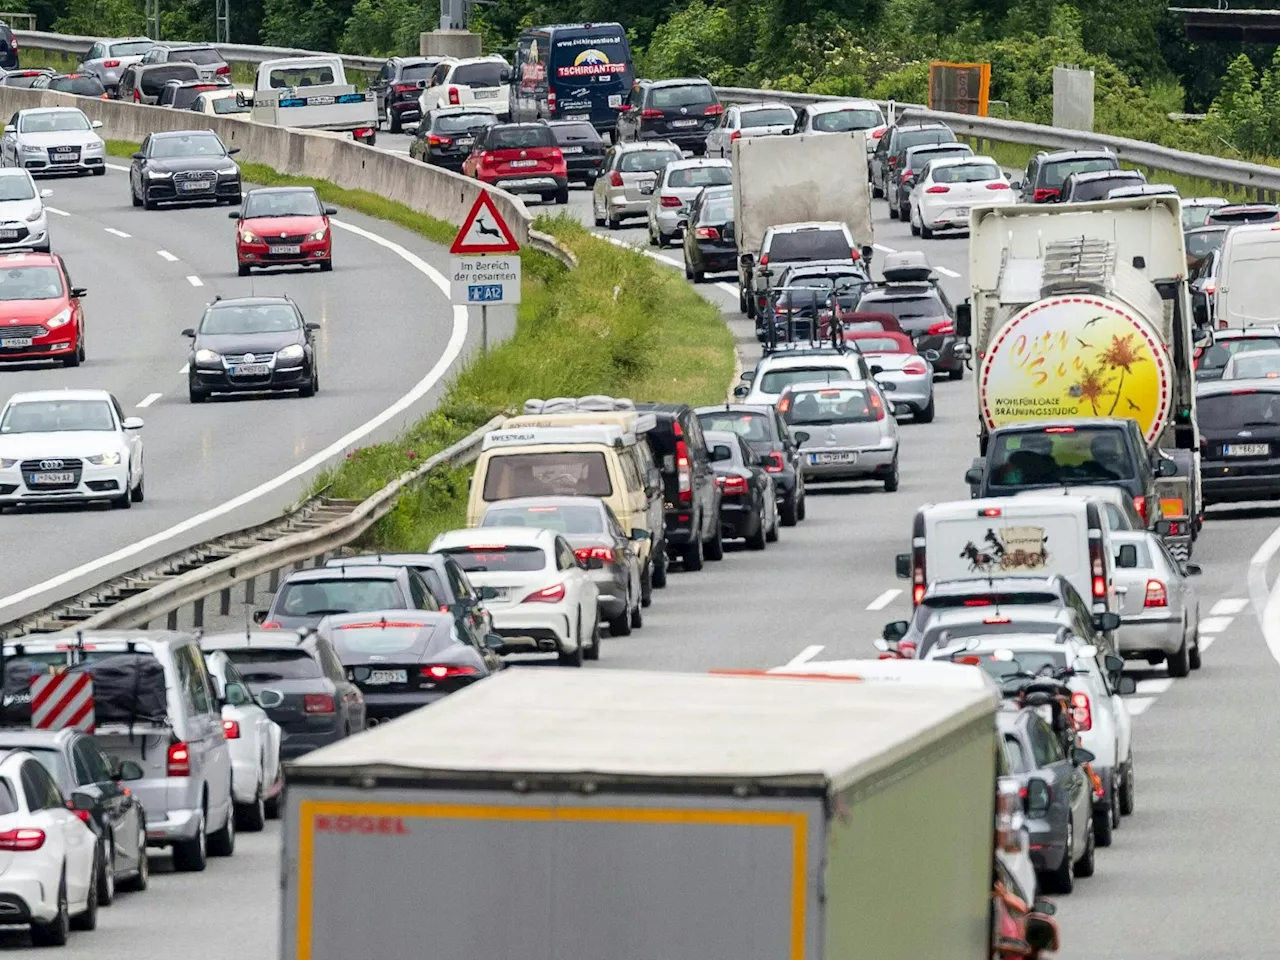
[578, 71]
[1248, 293]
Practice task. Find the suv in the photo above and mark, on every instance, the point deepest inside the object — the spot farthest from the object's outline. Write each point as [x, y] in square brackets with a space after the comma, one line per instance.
[691, 495]
[799, 364]
[144, 82]
[8, 48]
[1042, 182]
[107, 58]
[828, 240]
[397, 88]
[475, 81]
[912, 294]
[680, 111]
[1237, 213]
[520, 158]
[1098, 184]
[891, 151]
[181, 94]
[207, 59]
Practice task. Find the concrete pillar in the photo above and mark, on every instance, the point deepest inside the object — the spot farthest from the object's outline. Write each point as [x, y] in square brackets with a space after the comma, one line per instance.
[449, 43]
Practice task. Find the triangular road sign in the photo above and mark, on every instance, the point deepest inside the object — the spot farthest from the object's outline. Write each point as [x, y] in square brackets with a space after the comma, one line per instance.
[484, 230]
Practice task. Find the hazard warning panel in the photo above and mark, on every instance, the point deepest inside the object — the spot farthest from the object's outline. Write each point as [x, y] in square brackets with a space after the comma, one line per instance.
[484, 231]
[62, 700]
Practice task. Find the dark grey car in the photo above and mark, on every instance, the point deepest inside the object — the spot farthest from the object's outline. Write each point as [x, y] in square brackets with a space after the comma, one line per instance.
[308, 596]
[205, 57]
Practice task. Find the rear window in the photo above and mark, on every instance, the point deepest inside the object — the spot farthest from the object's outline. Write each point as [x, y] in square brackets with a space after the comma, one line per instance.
[1201, 244]
[945, 636]
[1098, 189]
[1216, 357]
[268, 666]
[479, 74]
[993, 600]
[917, 157]
[131, 48]
[829, 407]
[797, 245]
[775, 381]
[839, 121]
[203, 56]
[80, 86]
[519, 138]
[967, 173]
[463, 122]
[575, 133]
[571, 473]
[1255, 364]
[1075, 455]
[365, 638]
[417, 71]
[349, 595]
[498, 559]
[884, 345]
[719, 210]
[772, 117]
[154, 78]
[1053, 174]
[18, 80]
[560, 518]
[915, 138]
[1237, 215]
[684, 95]
[1232, 411]
[906, 308]
[749, 426]
[700, 177]
[647, 161]
[1039, 663]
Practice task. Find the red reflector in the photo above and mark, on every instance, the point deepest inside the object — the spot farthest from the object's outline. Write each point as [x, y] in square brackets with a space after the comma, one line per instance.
[84, 815]
[453, 96]
[318, 703]
[231, 729]
[1237, 392]
[917, 593]
[1099, 587]
[405, 87]
[381, 624]
[487, 546]
[990, 512]
[434, 141]
[1140, 504]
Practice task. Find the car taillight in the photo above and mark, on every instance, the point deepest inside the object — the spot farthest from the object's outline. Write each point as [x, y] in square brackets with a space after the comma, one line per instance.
[905, 173]
[1044, 193]
[1097, 568]
[362, 132]
[552, 594]
[733, 486]
[434, 141]
[764, 261]
[615, 179]
[595, 553]
[672, 202]
[318, 703]
[137, 97]
[997, 185]
[1157, 596]
[405, 87]
[707, 233]
[447, 671]
[1140, 504]
[893, 162]
[650, 114]
[919, 582]
[877, 408]
[997, 621]
[271, 625]
[231, 729]
[735, 135]
[109, 64]
[23, 838]
[915, 366]
[224, 70]
[551, 101]
[1080, 711]
[683, 470]
[878, 132]
[773, 462]
[179, 762]
[453, 96]
[84, 815]
[943, 329]
[938, 188]
[713, 111]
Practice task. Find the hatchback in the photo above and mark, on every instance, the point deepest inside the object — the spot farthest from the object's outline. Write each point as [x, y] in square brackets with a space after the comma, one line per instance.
[913, 166]
[890, 153]
[251, 344]
[765, 433]
[941, 197]
[283, 225]
[682, 111]
[446, 137]
[206, 58]
[844, 431]
[520, 158]
[1213, 355]
[679, 183]
[8, 48]
[181, 94]
[44, 311]
[710, 244]
[626, 183]
[308, 596]
[1202, 241]
[582, 147]
[921, 307]
[765, 119]
[749, 503]
[1239, 423]
[776, 370]
[25, 79]
[809, 294]
[1159, 608]
[843, 116]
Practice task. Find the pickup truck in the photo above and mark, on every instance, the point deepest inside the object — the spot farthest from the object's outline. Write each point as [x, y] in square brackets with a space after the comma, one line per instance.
[312, 93]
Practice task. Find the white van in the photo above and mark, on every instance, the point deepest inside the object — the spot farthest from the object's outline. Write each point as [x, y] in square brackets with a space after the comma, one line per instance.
[1010, 537]
[1248, 282]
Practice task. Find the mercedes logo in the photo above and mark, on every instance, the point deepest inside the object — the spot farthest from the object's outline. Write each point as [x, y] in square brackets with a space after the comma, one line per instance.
[248, 358]
[51, 464]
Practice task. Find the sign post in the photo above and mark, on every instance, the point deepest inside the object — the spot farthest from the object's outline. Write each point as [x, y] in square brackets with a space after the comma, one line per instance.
[484, 263]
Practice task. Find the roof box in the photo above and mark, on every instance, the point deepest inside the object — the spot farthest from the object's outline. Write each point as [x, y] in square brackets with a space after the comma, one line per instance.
[596, 403]
[907, 267]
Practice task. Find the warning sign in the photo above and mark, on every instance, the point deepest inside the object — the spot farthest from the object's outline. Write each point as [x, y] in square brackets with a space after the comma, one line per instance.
[484, 231]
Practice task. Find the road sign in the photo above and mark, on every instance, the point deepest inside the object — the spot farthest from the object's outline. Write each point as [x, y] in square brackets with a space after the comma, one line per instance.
[484, 231]
[62, 700]
[484, 281]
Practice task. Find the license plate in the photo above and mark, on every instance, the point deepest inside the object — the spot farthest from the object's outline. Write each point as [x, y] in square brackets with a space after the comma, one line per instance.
[523, 163]
[1246, 449]
[192, 185]
[286, 248]
[51, 478]
[486, 94]
[1046, 713]
[843, 456]
[961, 212]
[646, 187]
[570, 149]
[250, 370]
[684, 123]
[65, 158]
[388, 676]
[466, 141]
[615, 99]
[8, 234]
[15, 342]
[578, 116]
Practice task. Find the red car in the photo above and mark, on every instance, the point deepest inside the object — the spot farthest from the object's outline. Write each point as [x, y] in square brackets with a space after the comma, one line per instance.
[41, 316]
[520, 158]
[286, 225]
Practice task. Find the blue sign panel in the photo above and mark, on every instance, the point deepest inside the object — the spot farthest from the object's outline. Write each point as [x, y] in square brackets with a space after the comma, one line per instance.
[484, 293]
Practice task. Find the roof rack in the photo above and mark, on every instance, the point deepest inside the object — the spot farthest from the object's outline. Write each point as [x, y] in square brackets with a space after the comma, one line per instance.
[800, 329]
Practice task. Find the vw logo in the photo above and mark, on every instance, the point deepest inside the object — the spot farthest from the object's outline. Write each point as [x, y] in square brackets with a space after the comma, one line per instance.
[50, 464]
[684, 109]
[248, 358]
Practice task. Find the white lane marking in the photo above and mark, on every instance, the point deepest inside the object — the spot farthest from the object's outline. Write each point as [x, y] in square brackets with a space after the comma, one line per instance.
[671, 260]
[195, 281]
[61, 213]
[882, 601]
[1228, 608]
[185, 368]
[118, 233]
[117, 166]
[148, 400]
[727, 287]
[166, 255]
[1205, 642]
[452, 350]
[1156, 686]
[882, 248]
[1138, 705]
[946, 272]
[804, 656]
[1265, 602]
[1214, 624]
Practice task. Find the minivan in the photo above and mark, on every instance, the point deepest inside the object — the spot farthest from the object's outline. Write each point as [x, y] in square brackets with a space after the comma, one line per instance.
[572, 72]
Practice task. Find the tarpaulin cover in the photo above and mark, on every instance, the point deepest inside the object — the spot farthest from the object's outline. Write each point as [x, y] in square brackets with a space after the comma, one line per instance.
[127, 688]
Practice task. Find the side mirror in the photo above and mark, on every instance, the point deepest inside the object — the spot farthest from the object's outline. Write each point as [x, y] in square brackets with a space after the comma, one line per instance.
[330, 211]
[46, 194]
[494, 642]
[232, 151]
[639, 535]
[747, 261]
[1113, 663]
[595, 563]
[10, 128]
[132, 423]
[867, 253]
[902, 566]
[720, 453]
[267, 699]
[235, 694]
[96, 124]
[79, 292]
[1047, 907]
[1106, 622]
[487, 593]
[747, 375]
[137, 156]
[312, 326]
[1126, 686]
[1166, 468]
[82, 801]
[741, 391]
[1083, 756]
[189, 333]
[260, 616]
[422, 84]
[802, 436]
[876, 369]
[1191, 569]
[504, 76]
[894, 631]
[1162, 529]
[233, 215]
[1200, 334]
[128, 770]
[973, 476]
[964, 320]
[1015, 184]
[1041, 933]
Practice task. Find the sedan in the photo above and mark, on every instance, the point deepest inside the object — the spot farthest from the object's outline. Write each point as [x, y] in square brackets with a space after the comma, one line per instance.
[709, 240]
[77, 445]
[252, 344]
[23, 220]
[253, 740]
[767, 435]
[279, 225]
[893, 359]
[1159, 609]
[183, 165]
[843, 430]
[748, 501]
[678, 184]
[946, 190]
[53, 140]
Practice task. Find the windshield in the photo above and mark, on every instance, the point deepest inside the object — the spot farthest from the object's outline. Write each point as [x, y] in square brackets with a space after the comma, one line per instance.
[463, 122]
[571, 473]
[416, 71]
[1255, 363]
[62, 121]
[30, 283]
[1231, 411]
[719, 210]
[816, 244]
[520, 138]
[560, 518]
[768, 117]
[80, 86]
[575, 133]
[967, 173]
[1067, 455]
[1052, 174]
[348, 595]
[57, 416]
[190, 145]
[1216, 357]
[131, 48]
[265, 666]
[225, 105]
[647, 161]
[884, 344]
[291, 203]
[773, 382]
[842, 405]
[700, 177]
[16, 187]
[494, 558]
[21, 79]
[1201, 243]
[204, 56]
[840, 121]
[917, 157]
[261, 318]
[683, 95]
[317, 76]
[1098, 189]
[749, 426]
[487, 74]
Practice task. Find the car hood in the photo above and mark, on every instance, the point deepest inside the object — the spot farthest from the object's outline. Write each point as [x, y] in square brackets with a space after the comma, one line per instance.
[179, 164]
[78, 443]
[237, 343]
[60, 138]
[17, 210]
[16, 312]
[282, 226]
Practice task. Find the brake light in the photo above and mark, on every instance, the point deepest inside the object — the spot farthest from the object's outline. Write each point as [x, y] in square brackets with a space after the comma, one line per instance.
[943, 329]
[447, 671]
[553, 594]
[231, 729]
[271, 625]
[915, 366]
[1210, 287]
[84, 815]
[918, 580]
[1044, 193]
[997, 620]
[735, 135]
[1157, 596]
[672, 202]
[877, 408]
[453, 96]
[137, 97]
[362, 132]
[1140, 504]
[179, 760]
[595, 553]
[615, 179]
[318, 703]
[109, 64]
[908, 649]
[978, 602]
[905, 173]
[991, 512]
[1059, 429]
[405, 87]
[707, 233]
[205, 86]
[224, 70]
[683, 470]
[938, 188]
[733, 486]
[997, 185]
[650, 114]
[878, 132]
[1080, 711]
[773, 462]
[713, 111]
[23, 838]
[434, 141]
[551, 101]
[1097, 568]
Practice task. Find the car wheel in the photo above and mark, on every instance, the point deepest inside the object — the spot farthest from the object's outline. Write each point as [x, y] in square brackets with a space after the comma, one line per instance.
[653, 238]
[1102, 822]
[124, 501]
[56, 932]
[926, 414]
[904, 213]
[88, 918]
[925, 233]
[757, 539]
[637, 617]
[326, 266]
[192, 856]
[595, 214]
[956, 374]
[658, 574]
[915, 231]
[99, 171]
[772, 534]
[1179, 664]
[791, 508]
[891, 481]
[664, 240]
[393, 122]
[562, 195]
[1063, 879]
[107, 875]
[876, 191]
[147, 202]
[133, 195]
[614, 223]
[197, 396]
[1127, 788]
[620, 626]
[692, 559]
[1085, 865]
[893, 210]
[140, 880]
[593, 652]
[800, 508]
[252, 817]
[1194, 657]
[714, 549]
[310, 388]
[242, 269]
[699, 277]
[573, 658]
[222, 843]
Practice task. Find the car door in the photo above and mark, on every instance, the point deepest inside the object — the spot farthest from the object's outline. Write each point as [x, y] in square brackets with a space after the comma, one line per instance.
[353, 705]
[1179, 588]
[208, 745]
[9, 142]
[1121, 722]
[81, 843]
[706, 490]
[580, 590]
[127, 819]
[379, 87]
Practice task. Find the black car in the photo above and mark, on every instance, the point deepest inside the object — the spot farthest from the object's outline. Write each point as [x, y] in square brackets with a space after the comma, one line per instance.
[25, 79]
[1045, 173]
[765, 433]
[397, 87]
[1237, 213]
[1084, 187]
[8, 48]
[205, 57]
[891, 152]
[183, 165]
[299, 681]
[690, 492]
[748, 504]
[912, 294]
[1202, 241]
[1239, 440]
[181, 94]
[306, 597]
[77, 84]
[710, 244]
[582, 147]
[80, 767]
[680, 111]
[405, 659]
[913, 162]
[446, 137]
[252, 344]
[809, 292]
[1211, 356]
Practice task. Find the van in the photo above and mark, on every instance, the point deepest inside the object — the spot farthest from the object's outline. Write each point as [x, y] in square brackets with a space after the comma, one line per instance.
[1248, 282]
[1011, 537]
[579, 71]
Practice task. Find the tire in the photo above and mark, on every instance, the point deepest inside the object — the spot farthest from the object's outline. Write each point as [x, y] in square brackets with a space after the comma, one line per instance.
[223, 842]
[137, 202]
[1127, 788]
[596, 216]
[546, 197]
[699, 277]
[653, 238]
[326, 266]
[692, 558]
[614, 222]
[148, 203]
[876, 191]
[124, 501]
[573, 658]
[800, 507]
[57, 931]
[927, 414]
[925, 233]
[891, 482]
[791, 508]
[664, 240]
[242, 269]
[1087, 863]
[192, 856]
[757, 540]
[197, 396]
[142, 879]
[252, 817]
[309, 390]
[957, 374]
[88, 919]
[107, 876]
[771, 535]
[620, 626]
[562, 195]
[658, 573]
[1179, 664]
[893, 210]
[713, 549]
[139, 493]
[1102, 819]
[915, 231]
[904, 214]
[637, 617]
[1194, 655]
[1063, 879]
[273, 808]
[393, 122]
[99, 171]
[646, 584]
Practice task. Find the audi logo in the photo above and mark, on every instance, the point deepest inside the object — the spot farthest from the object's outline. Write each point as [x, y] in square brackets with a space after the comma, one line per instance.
[51, 464]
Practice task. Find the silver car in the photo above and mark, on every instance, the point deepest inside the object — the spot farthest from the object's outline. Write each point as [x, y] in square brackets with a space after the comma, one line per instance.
[1159, 610]
[844, 431]
[678, 186]
[627, 179]
[1253, 365]
[53, 140]
[593, 531]
[1116, 504]
[106, 59]
[905, 374]
[765, 119]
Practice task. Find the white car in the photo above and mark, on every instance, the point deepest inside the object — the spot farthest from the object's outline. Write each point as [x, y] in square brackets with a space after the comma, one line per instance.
[24, 223]
[253, 739]
[225, 102]
[48, 854]
[765, 119]
[778, 370]
[53, 140]
[546, 598]
[947, 189]
[472, 81]
[678, 186]
[69, 445]
[842, 116]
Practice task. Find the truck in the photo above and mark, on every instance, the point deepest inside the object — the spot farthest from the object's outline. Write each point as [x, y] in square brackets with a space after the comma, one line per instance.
[635, 815]
[312, 93]
[798, 179]
[1079, 323]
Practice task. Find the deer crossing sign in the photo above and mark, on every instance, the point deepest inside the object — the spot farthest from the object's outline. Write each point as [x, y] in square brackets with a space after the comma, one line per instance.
[484, 269]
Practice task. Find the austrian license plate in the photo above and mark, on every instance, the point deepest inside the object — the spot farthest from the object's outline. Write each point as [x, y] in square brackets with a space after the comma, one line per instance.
[286, 248]
[15, 342]
[578, 116]
[486, 94]
[961, 212]
[250, 370]
[388, 676]
[524, 163]
[570, 149]
[466, 141]
[8, 234]
[841, 456]
[193, 185]
[1246, 449]
[684, 123]
[49, 478]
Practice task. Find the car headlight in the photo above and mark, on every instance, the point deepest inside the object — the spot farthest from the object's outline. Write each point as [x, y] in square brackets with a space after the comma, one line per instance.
[229, 172]
[248, 236]
[29, 148]
[93, 147]
[37, 214]
[207, 356]
[59, 319]
[319, 234]
[291, 352]
[7, 464]
[104, 459]
[159, 174]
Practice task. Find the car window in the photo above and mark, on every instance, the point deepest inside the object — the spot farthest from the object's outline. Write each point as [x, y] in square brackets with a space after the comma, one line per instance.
[752, 426]
[192, 680]
[767, 117]
[774, 381]
[266, 666]
[418, 595]
[92, 765]
[1016, 754]
[520, 138]
[1044, 745]
[814, 244]
[1073, 454]
[582, 473]
[646, 161]
[839, 121]
[330, 661]
[40, 787]
[493, 558]
[1053, 174]
[681, 95]
[708, 176]
[829, 407]
[562, 518]
[347, 595]
[459, 583]
[488, 74]
[967, 173]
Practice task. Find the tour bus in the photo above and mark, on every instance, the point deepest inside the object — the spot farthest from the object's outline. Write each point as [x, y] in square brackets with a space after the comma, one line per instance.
[579, 71]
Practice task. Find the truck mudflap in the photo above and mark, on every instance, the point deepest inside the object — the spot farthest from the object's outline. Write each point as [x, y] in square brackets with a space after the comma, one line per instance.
[1177, 507]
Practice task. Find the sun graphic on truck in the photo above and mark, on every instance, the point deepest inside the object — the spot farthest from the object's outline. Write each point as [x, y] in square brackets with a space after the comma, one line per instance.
[591, 63]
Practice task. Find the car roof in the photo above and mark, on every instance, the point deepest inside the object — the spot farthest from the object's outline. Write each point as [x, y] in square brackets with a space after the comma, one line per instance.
[1273, 351]
[922, 125]
[823, 266]
[694, 162]
[638, 145]
[465, 108]
[172, 134]
[277, 190]
[942, 162]
[219, 83]
[13, 172]
[51, 110]
[959, 588]
[1027, 641]
[1089, 175]
[1083, 423]
[1207, 227]
[1092, 491]
[757, 409]
[487, 58]
[16, 737]
[328, 574]
[1246, 333]
[257, 640]
[949, 617]
[83, 394]
[1217, 388]
[249, 301]
[940, 147]
[1056, 156]
[508, 536]
[1132, 536]
[902, 289]
[809, 225]
[855, 103]
[800, 358]
[767, 105]
[676, 82]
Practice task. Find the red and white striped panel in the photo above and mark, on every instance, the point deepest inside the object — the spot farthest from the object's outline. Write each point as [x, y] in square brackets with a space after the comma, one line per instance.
[62, 700]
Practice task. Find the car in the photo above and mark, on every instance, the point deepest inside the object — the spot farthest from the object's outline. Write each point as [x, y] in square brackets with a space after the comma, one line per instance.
[206, 58]
[181, 94]
[890, 152]
[446, 136]
[787, 244]
[299, 681]
[1117, 506]
[893, 359]
[76, 84]
[1159, 608]
[283, 226]
[520, 158]
[583, 149]
[1046, 171]
[253, 740]
[844, 431]
[8, 47]
[590, 527]
[947, 188]
[1239, 424]
[53, 140]
[812, 290]
[545, 598]
[681, 110]
[911, 292]
[709, 243]
[627, 180]
[223, 101]
[843, 116]
[764, 119]
[252, 344]
[1213, 355]
[1195, 210]
[767, 435]
[1253, 365]
[1087, 186]
[144, 82]
[749, 501]
[107, 59]
[184, 166]
[25, 79]
[50, 881]
[677, 186]
[1142, 190]
[398, 87]
[24, 223]
[1236, 213]
[1204, 286]
[914, 162]
[763, 385]
[469, 81]
[44, 315]
[1200, 242]
[81, 768]
[306, 597]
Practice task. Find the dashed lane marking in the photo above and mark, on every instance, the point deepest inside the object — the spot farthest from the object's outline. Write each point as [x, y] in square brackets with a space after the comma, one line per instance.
[882, 248]
[117, 233]
[1214, 624]
[1138, 705]
[55, 210]
[1228, 608]
[185, 368]
[148, 400]
[166, 255]
[727, 287]
[1157, 685]
[882, 601]
[195, 281]
[1207, 642]
[804, 656]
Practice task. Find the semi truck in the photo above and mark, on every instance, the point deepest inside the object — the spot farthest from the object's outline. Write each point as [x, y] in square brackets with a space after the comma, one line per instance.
[633, 815]
[1079, 323]
[312, 93]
